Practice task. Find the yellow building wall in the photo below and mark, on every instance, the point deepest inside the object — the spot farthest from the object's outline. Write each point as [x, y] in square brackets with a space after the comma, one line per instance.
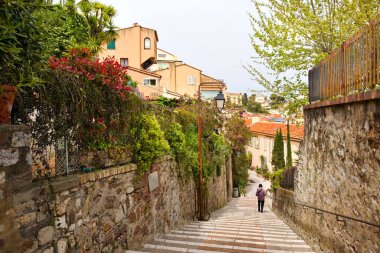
[146, 90]
[182, 85]
[130, 44]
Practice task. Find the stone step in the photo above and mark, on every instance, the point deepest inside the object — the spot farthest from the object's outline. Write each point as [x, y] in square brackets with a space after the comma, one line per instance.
[218, 237]
[238, 232]
[248, 242]
[160, 245]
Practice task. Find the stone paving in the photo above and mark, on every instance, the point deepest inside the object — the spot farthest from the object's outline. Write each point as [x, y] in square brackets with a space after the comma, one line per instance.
[238, 227]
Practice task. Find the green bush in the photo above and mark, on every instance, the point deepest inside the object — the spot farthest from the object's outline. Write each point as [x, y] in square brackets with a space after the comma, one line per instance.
[276, 178]
[241, 164]
[150, 142]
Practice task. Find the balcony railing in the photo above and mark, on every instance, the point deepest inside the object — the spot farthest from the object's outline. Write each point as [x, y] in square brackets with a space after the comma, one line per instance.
[352, 68]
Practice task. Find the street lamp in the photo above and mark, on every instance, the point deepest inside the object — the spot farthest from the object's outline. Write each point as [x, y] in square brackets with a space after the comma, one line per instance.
[219, 99]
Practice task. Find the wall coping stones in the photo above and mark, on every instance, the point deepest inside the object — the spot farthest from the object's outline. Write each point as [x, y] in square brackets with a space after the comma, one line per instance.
[364, 96]
[64, 183]
[97, 175]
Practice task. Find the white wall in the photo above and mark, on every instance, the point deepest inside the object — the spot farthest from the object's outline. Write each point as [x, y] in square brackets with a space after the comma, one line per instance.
[263, 146]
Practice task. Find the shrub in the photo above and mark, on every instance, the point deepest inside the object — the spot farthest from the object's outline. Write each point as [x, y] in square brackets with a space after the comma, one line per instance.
[276, 178]
[149, 142]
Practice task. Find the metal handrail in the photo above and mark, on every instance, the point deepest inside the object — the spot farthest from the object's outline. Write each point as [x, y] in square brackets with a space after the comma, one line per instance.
[336, 214]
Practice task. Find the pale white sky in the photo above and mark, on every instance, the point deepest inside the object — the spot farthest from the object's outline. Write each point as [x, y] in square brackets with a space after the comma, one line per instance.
[212, 35]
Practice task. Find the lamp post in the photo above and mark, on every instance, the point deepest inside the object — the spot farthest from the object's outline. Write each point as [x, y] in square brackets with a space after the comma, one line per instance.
[219, 99]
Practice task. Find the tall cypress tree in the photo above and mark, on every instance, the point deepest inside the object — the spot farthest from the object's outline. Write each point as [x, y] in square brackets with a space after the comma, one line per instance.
[278, 161]
[281, 154]
[289, 161]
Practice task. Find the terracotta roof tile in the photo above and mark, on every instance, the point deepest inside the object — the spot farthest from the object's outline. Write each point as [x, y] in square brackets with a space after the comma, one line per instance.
[269, 129]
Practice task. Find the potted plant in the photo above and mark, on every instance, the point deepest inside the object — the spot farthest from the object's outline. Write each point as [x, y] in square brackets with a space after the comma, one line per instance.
[7, 96]
[20, 51]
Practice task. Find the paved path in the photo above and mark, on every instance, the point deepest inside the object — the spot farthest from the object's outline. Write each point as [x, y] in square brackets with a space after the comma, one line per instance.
[238, 227]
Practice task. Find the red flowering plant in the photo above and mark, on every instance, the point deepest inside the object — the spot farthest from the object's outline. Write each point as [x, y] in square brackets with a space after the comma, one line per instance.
[94, 96]
[82, 64]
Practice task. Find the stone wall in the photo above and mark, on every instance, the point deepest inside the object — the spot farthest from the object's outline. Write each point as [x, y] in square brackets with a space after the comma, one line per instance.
[102, 211]
[339, 172]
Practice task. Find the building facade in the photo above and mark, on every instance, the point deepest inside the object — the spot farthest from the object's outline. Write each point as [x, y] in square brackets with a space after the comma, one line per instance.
[156, 71]
[261, 145]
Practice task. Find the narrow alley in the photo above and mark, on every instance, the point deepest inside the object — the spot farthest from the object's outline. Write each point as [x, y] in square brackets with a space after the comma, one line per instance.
[238, 227]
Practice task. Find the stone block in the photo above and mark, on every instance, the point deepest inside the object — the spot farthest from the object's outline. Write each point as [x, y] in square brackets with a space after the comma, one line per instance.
[62, 245]
[20, 139]
[130, 189]
[45, 235]
[29, 246]
[49, 250]
[60, 222]
[9, 156]
[2, 177]
[65, 183]
[153, 181]
[27, 218]
[61, 207]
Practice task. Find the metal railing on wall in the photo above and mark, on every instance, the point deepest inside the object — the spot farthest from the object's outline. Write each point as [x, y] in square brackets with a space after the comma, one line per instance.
[352, 68]
[339, 217]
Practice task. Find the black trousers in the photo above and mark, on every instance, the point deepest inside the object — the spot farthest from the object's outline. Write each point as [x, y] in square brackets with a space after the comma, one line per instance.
[261, 205]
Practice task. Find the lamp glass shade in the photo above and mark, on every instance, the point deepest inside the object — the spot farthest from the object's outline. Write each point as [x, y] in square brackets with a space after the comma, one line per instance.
[219, 99]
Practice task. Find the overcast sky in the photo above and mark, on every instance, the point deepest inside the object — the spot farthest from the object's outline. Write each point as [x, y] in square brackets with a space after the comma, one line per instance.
[212, 35]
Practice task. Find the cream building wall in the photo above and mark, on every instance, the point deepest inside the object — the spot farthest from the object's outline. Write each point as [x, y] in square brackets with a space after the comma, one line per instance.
[263, 146]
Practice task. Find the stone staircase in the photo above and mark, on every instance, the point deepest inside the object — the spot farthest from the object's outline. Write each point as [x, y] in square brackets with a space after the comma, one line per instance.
[237, 227]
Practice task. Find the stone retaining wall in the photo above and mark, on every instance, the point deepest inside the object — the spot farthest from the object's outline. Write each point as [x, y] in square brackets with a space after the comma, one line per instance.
[339, 171]
[102, 211]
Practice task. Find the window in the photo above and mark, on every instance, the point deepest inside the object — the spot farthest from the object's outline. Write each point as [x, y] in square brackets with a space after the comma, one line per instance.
[191, 80]
[162, 55]
[151, 82]
[147, 43]
[124, 62]
[111, 45]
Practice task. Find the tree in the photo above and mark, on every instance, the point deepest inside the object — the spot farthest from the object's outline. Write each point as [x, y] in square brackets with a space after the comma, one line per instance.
[66, 29]
[245, 99]
[278, 160]
[237, 134]
[100, 20]
[20, 42]
[255, 107]
[289, 161]
[289, 37]
[276, 101]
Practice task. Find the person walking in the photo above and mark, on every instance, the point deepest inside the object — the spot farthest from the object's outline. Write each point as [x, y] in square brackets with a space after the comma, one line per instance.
[260, 193]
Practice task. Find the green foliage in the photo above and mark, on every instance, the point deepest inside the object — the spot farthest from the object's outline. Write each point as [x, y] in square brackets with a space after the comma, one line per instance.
[66, 29]
[255, 107]
[289, 160]
[276, 178]
[149, 142]
[278, 160]
[20, 42]
[171, 102]
[289, 37]
[100, 20]
[276, 101]
[245, 100]
[237, 134]
[241, 163]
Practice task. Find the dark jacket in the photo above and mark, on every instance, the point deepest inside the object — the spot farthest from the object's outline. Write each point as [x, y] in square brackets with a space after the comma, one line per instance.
[260, 193]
